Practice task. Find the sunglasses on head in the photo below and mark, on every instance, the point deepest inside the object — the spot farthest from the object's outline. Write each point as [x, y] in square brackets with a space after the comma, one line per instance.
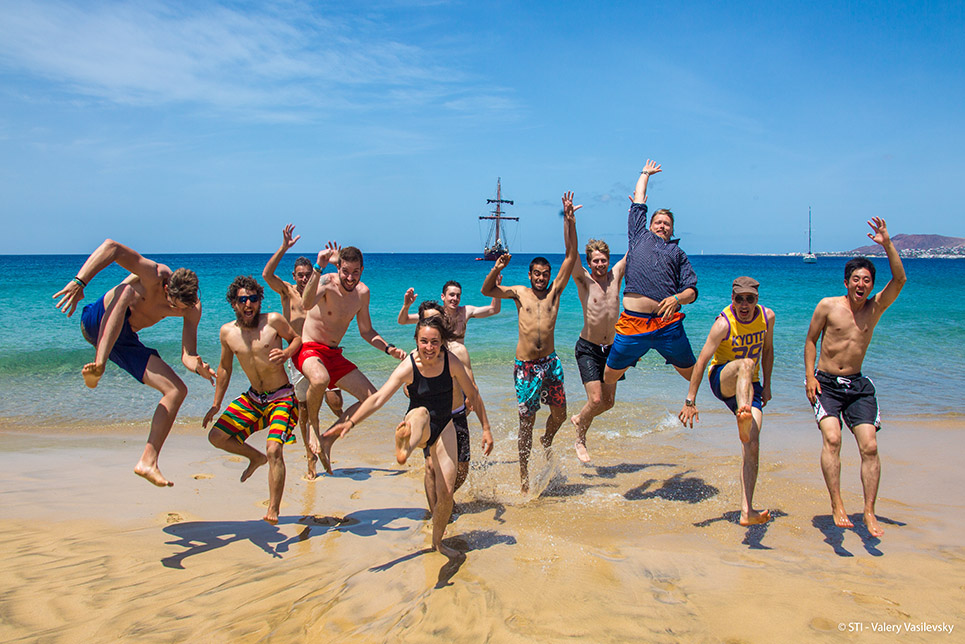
[749, 299]
[244, 299]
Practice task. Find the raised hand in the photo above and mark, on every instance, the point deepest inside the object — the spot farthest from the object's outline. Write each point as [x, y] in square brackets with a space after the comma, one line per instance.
[287, 239]
[569, 210]
[410, 297]
[880, 236]
[651, 168]
[503, 261]
[325, 255]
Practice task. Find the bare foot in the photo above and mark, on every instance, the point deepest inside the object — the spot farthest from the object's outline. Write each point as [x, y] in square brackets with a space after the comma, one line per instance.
[152, 474]
[871, 522]
[575, 419]
[253, 465]
[744, 422]
[312, 474]
[313, 443]
[755, 518]
[403, 434]
[524, 486]
[271, 517]
[325, 454]
[841, 518]
[92, 374]
[449, 552]
[581, 452]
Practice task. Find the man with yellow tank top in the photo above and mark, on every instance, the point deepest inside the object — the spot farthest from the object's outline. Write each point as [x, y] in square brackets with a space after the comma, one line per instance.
[741, 340]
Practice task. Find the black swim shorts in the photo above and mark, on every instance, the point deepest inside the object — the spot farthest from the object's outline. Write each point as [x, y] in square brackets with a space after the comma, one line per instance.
[851, 397]
[461, 423]
[591, 359]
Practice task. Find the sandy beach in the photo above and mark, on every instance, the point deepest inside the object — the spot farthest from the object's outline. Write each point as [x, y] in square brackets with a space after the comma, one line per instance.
[642, 545]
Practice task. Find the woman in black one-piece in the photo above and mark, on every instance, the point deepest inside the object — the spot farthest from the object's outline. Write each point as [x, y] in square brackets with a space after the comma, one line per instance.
[429, 373]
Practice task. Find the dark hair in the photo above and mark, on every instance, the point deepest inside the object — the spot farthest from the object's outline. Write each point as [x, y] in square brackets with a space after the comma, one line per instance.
[302, 261]
[183, 286]
[246, 282]
[429, 304]
[539, 261]
[350, 254]
[859, 262]
[445, 287]
[435, 322]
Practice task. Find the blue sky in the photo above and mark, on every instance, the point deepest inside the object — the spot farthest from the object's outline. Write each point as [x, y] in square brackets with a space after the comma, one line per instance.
[205, 127]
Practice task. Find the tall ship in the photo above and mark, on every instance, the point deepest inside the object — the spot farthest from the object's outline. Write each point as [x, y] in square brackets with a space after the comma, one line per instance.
[495, 244]
[810, 258]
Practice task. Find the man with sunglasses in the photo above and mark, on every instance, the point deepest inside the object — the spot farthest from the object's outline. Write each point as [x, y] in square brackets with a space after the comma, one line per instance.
[740, 341]
[256, 339]
[294, 312]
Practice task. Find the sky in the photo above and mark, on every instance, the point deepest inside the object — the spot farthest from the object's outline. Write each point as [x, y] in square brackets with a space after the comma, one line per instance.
[206, 127]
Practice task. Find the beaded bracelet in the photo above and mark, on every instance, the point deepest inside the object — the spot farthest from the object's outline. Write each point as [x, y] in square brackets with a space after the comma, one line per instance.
[79, 282]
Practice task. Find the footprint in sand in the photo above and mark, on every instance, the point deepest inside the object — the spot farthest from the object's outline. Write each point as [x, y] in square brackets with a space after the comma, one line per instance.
[356, 495]
[871, 600]
[667, 592]
[233, 459]
[173, 517]
[823, 624]
[264, 504]
[199, 477]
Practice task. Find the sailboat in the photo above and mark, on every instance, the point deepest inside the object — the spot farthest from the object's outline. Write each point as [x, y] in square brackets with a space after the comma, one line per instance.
[495, 246]
[810, 258]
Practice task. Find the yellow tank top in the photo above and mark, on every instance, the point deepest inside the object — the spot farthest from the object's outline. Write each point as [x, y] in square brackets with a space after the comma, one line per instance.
[743, 340]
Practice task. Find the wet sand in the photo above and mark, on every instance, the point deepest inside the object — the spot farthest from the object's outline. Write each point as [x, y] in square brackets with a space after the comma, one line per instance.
[641, 545]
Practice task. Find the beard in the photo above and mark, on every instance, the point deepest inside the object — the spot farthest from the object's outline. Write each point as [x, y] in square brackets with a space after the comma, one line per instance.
[345, 286]
[247, 324]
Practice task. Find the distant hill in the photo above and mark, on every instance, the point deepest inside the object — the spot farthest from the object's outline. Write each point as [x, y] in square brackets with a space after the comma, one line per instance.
[914, 243]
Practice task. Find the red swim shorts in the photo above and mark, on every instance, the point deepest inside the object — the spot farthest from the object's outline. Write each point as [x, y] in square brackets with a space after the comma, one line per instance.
[332, 359]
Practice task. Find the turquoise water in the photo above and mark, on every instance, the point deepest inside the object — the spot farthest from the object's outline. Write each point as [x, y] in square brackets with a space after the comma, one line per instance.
[915, 358]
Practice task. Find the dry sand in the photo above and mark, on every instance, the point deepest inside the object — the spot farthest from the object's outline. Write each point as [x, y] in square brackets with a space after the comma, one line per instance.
[642, 545]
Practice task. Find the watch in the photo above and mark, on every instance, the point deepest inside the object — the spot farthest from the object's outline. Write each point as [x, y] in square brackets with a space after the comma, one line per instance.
[688, 402]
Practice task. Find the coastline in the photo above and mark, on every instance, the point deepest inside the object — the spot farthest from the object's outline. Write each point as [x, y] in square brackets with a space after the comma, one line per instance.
[641, 544]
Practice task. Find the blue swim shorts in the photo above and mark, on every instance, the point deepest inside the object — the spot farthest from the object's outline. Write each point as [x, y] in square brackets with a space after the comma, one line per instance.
[538, 380]
[670, 341]
[731, 402]
[128, 353]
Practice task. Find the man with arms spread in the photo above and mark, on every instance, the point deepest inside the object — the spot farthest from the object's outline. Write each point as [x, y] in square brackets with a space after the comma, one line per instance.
[599, 291]
[331, 301]
[659, 280]
[741, 337]
[149, 294]
[270, 401]
[457, 315]
[845, 324]
[538, 371]
[291, 302]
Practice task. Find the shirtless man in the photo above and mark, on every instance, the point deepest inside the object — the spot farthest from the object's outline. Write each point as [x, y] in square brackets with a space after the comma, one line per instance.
[538, 371]
[845, 324]
[456, 315]
[659, 280]
[255, 338]
[599, 291]
[291, 302]
[149, 294]
[331, 302]
[741, 338]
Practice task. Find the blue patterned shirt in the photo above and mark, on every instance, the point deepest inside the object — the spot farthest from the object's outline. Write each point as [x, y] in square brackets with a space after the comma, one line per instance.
[656, 268]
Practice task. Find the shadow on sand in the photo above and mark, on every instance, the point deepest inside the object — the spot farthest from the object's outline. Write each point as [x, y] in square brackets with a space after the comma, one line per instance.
[611, 471]
[834, 536]
[678, 487]
[199, 537]
[753, 534]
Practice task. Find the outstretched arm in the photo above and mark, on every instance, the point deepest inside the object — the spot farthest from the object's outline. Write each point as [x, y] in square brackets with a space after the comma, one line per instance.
[189, 344]
[493, 308]
[881, 237]
[404, 316]
[223, 378]
[399, 377]
[310, 295]
[640, 192]
[464, 378]
[572, 258]
[492, 285]
[287, 241]
[108, 252]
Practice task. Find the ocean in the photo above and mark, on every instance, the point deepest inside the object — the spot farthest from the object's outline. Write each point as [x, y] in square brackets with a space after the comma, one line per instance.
[915, 358]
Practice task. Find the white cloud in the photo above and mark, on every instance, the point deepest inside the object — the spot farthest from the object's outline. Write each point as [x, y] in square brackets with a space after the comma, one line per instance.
[287, 62]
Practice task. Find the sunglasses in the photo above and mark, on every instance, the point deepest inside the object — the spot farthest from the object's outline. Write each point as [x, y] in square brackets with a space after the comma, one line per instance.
[244, 299]
[748, 299]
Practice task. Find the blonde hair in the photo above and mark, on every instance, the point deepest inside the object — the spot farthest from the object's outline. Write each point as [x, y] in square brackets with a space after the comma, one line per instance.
[597, 245]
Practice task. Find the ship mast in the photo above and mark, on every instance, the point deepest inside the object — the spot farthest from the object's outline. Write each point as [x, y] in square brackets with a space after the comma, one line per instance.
[497, 214]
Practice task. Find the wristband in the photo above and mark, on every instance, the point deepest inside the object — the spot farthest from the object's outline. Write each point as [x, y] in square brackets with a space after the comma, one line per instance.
[388, 345]
[316, 267]
[79, 282]
[676, 298]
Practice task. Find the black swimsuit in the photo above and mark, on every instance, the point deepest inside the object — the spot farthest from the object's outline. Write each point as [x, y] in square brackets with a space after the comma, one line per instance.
[435, 394]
